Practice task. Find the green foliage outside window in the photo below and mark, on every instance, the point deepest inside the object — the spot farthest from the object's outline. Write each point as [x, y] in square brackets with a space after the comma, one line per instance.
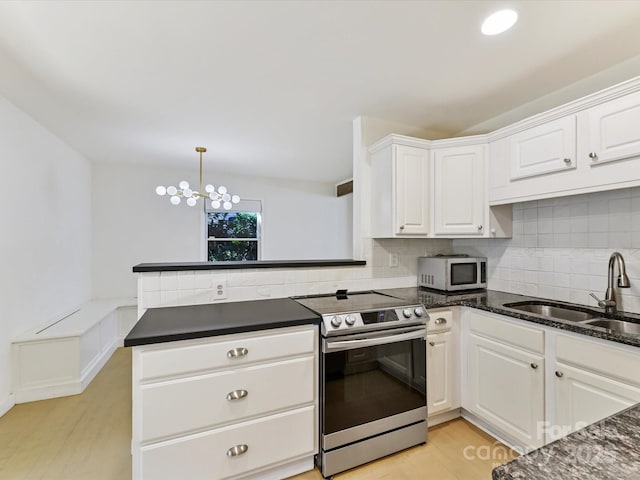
[223, 228]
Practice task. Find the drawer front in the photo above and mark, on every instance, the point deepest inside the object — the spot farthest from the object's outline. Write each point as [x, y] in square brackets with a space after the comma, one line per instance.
[269, 440]
[516, 335]
[197, 403]
[608, 360]
[193, 356]
[439, 321]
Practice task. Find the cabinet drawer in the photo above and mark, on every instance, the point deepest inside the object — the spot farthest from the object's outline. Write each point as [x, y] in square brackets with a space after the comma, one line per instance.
[205, 355]
[196, 403]
[439, 321]
[516, 335]
[609, 360]
[269, 440]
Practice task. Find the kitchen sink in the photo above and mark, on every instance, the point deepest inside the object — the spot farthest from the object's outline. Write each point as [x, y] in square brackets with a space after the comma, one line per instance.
[553, 311]
[616, 326]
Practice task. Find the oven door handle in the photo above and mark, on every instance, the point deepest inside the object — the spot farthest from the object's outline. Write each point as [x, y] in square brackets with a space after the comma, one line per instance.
[337, 345]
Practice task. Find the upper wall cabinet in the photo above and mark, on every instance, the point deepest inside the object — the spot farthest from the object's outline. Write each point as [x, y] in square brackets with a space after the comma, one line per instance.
[614, 130]
[460, 202]
[594, 147]
[544, 149]
[400, 194]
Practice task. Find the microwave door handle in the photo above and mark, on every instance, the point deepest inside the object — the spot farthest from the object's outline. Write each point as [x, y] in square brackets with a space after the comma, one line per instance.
[332, 346]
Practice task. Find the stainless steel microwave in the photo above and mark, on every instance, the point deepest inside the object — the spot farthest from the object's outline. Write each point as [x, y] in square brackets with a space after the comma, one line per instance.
[452, 272]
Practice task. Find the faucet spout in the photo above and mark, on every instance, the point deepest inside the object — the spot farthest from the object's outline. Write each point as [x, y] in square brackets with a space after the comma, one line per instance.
[623, 281]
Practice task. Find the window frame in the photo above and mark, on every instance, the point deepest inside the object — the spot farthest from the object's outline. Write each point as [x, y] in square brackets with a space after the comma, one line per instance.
[257, 238]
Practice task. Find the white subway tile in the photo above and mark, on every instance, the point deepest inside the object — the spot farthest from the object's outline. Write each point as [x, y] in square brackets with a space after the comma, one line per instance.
[168, 281]
[186, 280]
[150, 282]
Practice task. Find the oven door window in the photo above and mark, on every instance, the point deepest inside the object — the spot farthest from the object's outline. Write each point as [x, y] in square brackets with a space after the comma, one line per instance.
[372, 383]
[464, 273]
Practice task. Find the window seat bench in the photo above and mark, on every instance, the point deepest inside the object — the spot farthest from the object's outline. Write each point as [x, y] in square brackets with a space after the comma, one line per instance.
[62, 357]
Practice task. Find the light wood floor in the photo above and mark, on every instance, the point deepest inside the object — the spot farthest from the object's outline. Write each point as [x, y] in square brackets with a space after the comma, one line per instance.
[87, 437]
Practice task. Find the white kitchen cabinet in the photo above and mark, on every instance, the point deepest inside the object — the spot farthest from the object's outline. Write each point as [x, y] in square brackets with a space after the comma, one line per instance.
[443, 377]
[591, 381]
[614, 130]
[440, 373]
[400, 193]
[505, 377]
[459, 189]
[211, 407]
[545, 149]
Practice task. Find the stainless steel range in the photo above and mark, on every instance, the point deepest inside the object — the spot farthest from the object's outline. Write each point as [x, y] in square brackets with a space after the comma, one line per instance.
[373, 377]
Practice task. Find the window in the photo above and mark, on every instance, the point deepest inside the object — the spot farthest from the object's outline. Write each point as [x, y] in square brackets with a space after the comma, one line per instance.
[233, 236]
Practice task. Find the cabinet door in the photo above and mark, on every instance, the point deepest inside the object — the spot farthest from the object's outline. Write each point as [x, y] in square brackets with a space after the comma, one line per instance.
[411, 170]
[439, 372]
[544, 149]
[583, 397]
[614, 130]
[506, 388]
[459, 190]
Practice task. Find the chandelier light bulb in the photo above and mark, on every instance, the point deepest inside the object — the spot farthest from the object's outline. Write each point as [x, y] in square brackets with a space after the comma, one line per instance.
[219, 199]
[499, 22]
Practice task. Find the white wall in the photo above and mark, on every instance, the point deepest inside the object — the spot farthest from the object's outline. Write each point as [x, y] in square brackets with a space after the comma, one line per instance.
[560, 247]
[301, 220]
[46, 230]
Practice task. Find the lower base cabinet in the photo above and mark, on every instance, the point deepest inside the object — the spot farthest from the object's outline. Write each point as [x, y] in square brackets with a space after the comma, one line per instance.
[506, 388]
[440, 374]
[591, 381]
[241, 406]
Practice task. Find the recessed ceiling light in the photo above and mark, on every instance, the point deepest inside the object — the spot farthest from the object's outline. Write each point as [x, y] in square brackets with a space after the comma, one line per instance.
[499, 22]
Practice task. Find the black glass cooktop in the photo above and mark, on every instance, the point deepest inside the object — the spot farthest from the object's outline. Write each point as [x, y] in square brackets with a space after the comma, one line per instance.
[350, 302]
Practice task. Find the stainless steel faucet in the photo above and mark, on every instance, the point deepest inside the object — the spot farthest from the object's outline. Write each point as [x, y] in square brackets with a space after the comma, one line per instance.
[609, 303]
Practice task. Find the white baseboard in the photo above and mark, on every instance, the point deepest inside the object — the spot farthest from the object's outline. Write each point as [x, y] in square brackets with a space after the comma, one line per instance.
[443, 417]
[7, 404]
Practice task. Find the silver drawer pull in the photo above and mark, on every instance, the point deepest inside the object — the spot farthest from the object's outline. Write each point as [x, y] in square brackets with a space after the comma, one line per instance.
[236, 395]
[593, 156]
[433, 344]
[559, 374]
[237, 352]
[567, 161]
[237, 450]
[440, 321]
[534, 366]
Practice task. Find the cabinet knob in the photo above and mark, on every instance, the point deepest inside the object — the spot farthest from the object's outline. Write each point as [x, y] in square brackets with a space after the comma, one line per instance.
[593, 156]
[236, 395]
[440, 321]
[401, 227]
[237, 450]
[433, 344]
[559, 374]
[567, 161]
[534, 366]
[480, 227]
[237, 352]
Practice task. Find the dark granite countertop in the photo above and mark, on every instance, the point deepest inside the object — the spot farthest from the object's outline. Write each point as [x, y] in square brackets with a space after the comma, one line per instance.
[168, 324]
[493, 301]
[184, 266]
[605, 450]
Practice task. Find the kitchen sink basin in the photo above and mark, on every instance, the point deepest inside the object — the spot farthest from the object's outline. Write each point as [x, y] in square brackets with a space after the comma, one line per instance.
[616, 326]
[553, 311]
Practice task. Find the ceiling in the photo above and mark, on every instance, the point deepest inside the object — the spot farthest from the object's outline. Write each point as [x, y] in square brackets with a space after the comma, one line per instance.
[271, 87]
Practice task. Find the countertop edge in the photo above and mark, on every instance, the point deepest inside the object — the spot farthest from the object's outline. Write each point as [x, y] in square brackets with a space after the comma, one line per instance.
[186, 266]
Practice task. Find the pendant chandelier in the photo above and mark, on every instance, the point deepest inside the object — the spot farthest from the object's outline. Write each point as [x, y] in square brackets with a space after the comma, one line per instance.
[220, 198]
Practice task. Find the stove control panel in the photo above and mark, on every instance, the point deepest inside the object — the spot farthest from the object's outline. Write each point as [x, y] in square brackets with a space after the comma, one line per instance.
[342, 323]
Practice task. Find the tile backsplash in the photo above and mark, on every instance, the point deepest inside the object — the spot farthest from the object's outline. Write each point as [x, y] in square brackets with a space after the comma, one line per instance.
[560, 247]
